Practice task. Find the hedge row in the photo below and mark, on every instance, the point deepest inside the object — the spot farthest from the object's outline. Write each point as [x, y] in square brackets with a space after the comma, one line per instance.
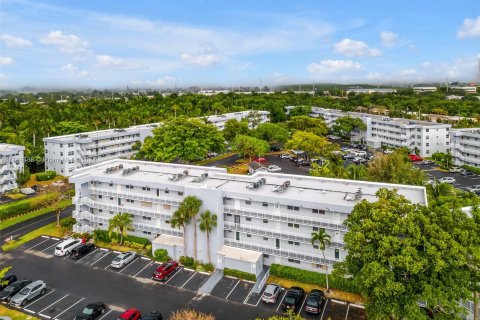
[472, 169]
[136, 242]
[312, 277]
[239, 274]
[44, 176]
[17, 208]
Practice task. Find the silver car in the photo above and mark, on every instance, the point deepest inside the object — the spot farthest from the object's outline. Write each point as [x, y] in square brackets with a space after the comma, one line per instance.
[30, 292]
[123, 259]
[271, 293]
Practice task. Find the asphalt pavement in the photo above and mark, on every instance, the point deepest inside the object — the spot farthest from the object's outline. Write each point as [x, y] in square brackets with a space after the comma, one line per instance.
[461, 182]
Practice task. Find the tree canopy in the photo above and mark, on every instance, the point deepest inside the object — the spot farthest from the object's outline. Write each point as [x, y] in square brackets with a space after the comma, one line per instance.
[305, 123]
[345, 125]
[234, 128]
[309, 142]
[250, 146]
[271, 132]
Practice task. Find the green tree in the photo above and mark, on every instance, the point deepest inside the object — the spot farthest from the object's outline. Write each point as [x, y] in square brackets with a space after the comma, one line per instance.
[356, 172]
[250, 146]
[400, 253]
[3, 272]
[344, 126]
[23, 176]
[207, 221]
[271, 132]
[57, 196]
[185, 213]
[68, 223]
[70, 127]
[321, 240]
[311, 143]
[234, 128]
[300, 111]
[308, 124]
[120, 223]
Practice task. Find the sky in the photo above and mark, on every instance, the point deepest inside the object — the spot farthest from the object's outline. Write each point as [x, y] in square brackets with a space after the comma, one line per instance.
[206, 43]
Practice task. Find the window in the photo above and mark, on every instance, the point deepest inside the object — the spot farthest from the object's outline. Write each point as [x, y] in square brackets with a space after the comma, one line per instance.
[265, 238]
[180, 193]
[110, 184]
[147, 232]
[167, 206]
[337, 254]
[266, 256]
[111, 198]
[290, 207]
[427, 144]
[315, 228]
[427, 137]
[111, 212]
[290, 242]
[248, 202]
[294, 225]
[265, 204]
[248, 219]
[265, 220]
[319, 211]
[426, 130]
[294, 261]
[229, 215]
[100, 210]
[237, 236]
[293, 208]
[71, 153]
[147, 218]
[167, 191]
[70, 145]
[249, 235]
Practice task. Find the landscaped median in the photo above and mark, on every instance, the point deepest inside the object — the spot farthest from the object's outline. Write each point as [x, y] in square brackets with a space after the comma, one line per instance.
[48, 230]
[14, 314]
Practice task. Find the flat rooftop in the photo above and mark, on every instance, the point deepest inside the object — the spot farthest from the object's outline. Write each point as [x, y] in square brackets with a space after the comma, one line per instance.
[234, 115]
[304, 188]
[6, 147]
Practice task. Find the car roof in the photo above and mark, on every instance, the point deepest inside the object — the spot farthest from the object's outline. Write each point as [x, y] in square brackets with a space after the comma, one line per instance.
[129, 312]
[34, 283]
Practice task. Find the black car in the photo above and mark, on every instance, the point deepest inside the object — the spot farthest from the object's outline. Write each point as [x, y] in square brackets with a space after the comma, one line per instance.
[154, 315]
[348, 156]
[7, 280]
[91, 311]
[275, 149]
[13, 289]
[315, 301]
[467, 173]
[302, 162]
[82, 250]
[293, 298]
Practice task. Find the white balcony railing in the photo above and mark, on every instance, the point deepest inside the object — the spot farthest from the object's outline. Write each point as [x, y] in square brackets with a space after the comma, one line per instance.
[135, 196]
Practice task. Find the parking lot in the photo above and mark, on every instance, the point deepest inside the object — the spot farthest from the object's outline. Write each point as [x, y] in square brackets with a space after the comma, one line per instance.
[64, 299]
[461, 182]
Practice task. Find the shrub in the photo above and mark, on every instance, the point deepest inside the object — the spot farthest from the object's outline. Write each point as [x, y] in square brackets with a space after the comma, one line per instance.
[131, 241]
[101, 236]
[17, 208]
[312, 277]
[44, 176]
[161, 255]
[187, 261]
[209, 267]
[190, 315]
[23, 176]
[239, 274]
[473, 169]
[68, 223]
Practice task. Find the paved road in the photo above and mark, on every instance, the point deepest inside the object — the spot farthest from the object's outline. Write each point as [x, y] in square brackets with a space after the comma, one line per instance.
[462, 182]
[27, 226]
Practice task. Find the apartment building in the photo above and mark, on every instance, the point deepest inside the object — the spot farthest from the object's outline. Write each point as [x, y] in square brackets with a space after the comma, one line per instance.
[424, 89]
[465, 146]
[262, 219]
[11, 161]
[254, 118]
[424, 136]
[371, 90]
[466, 89]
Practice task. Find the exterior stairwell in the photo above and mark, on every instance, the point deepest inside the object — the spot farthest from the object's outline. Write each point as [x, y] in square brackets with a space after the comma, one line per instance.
[211, 282]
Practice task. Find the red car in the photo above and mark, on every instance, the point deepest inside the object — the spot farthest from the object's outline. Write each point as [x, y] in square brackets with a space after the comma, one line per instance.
[165, 270]
[130, 314]
[415, 158]
[261, 160]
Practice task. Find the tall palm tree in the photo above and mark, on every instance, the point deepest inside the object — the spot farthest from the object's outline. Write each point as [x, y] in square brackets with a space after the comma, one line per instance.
[185, 213]
[207, 221]
[121, 222]
[323, 239]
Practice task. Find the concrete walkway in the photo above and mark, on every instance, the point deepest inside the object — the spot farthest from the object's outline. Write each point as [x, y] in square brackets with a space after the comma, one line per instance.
[211, 282]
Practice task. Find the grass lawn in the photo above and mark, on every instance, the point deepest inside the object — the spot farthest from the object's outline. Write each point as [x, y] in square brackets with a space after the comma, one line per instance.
[334, 293]
[49, 230]
[24, 217]
[238, 169]
[15, 196]
[33, 181]
[116, 247]
[220, 157]
[14, 314]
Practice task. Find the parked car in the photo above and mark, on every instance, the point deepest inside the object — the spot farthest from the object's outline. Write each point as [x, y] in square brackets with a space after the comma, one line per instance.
[165, 270]
[315, 301]
[333, 137]
[359, 153]
[475, 188]
[430, 181]
[66, 247]
[293, 298]
[428, 162]
[449, 180]
[274, 168]
[302, 162]
[260, 160]
[212, 155]
[467, 173]
[359, 160]
[275, 148]
[154, 315]
[455, 169]
[348, 156]
[130, 314]
[82, 250]
[415, 158]
[388, 151]
[123, 259]
[13, 289]
[7, 280]
[91, 311]
[286, 156]
[271, 293]
[28, 293]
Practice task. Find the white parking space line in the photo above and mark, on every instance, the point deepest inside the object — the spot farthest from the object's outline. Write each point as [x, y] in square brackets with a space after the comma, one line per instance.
[44, 315]
[248, 296]
[348, 308]
[106, 267]
[105, 314]
[151, 262]
[188, 280]
[324, 307]
[303, 303]
[35, 301]
[37, 245]
[54, 303]
[104, 249]
[106, 254]
[280, 302]
[130, 264]
[50, 247]
[174, 275]
[86, 255]
[236, 284]
[58, 316]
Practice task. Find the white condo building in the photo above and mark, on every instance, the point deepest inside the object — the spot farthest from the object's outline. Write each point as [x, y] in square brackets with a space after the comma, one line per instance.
[262, 219]
[465, 146]
[11, 161]
[427, 137]
[63, 154]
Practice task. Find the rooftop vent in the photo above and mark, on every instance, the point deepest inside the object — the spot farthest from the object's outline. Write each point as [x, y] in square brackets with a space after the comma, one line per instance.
[81, 136]
[201, 178]
[178, 176]
[258, 184]
[113, 169]
[130, 170]
[119, 130]
[282, 188]
[354, 197]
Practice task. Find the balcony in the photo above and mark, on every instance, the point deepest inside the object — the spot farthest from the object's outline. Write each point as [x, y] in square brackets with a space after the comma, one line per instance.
[283, 217]
[116, 142]
[134, 196]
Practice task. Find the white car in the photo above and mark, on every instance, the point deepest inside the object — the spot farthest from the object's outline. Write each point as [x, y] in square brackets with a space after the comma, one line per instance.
[30, 292]
[66, 247]
[455, 169]
[388, 151]
[285, 156]
[475, 188]
[123, 259]
[274, 168]
[449, 180]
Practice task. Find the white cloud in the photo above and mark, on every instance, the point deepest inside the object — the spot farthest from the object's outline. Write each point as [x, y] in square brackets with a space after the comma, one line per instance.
[470, 28]
[6, 61]
[279, 78]
[109, 61]
[74, 71]
[389, 39]
[201, 60]
[15, 42]
[374, 75]
[326, 67]
[70, 43]
[161, 82]
[408, 72]
[354, 48]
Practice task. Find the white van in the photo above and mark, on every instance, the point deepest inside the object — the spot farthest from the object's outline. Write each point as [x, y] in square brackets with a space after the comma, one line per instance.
[65, 247]
[360, 153]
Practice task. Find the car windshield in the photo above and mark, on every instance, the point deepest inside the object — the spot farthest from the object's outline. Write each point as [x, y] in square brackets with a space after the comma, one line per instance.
[9, 289]
[87, 311]
[312, 302]
[25, 291]
[118, 259]
[269, 290]
[58, 248]
[289, 299]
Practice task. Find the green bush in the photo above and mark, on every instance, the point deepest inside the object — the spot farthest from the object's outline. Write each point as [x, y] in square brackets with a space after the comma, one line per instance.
[131, 241]
[187, 261]
[161, 255]
[17, 208]
[312, 277]
[473, 169]
[68, 223]
[239, 274]
[23, 176]
[209, 267]
[44, 176]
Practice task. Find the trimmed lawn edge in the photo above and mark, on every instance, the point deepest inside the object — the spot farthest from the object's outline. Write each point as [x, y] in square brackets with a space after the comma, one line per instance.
[49, 230]
[15, 314]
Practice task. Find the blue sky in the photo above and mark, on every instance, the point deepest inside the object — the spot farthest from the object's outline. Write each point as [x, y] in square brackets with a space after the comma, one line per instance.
[159, 44]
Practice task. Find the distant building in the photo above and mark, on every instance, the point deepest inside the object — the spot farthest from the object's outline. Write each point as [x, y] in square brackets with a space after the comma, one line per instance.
[424, 89]
[370, 91]
[465, 146]
[467, 89]
[11, 161]
[254, 118]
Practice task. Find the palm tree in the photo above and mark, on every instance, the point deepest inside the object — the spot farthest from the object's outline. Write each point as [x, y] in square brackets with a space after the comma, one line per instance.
[121, 223]
[323, 239]
[208, 221]
[187, 211]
